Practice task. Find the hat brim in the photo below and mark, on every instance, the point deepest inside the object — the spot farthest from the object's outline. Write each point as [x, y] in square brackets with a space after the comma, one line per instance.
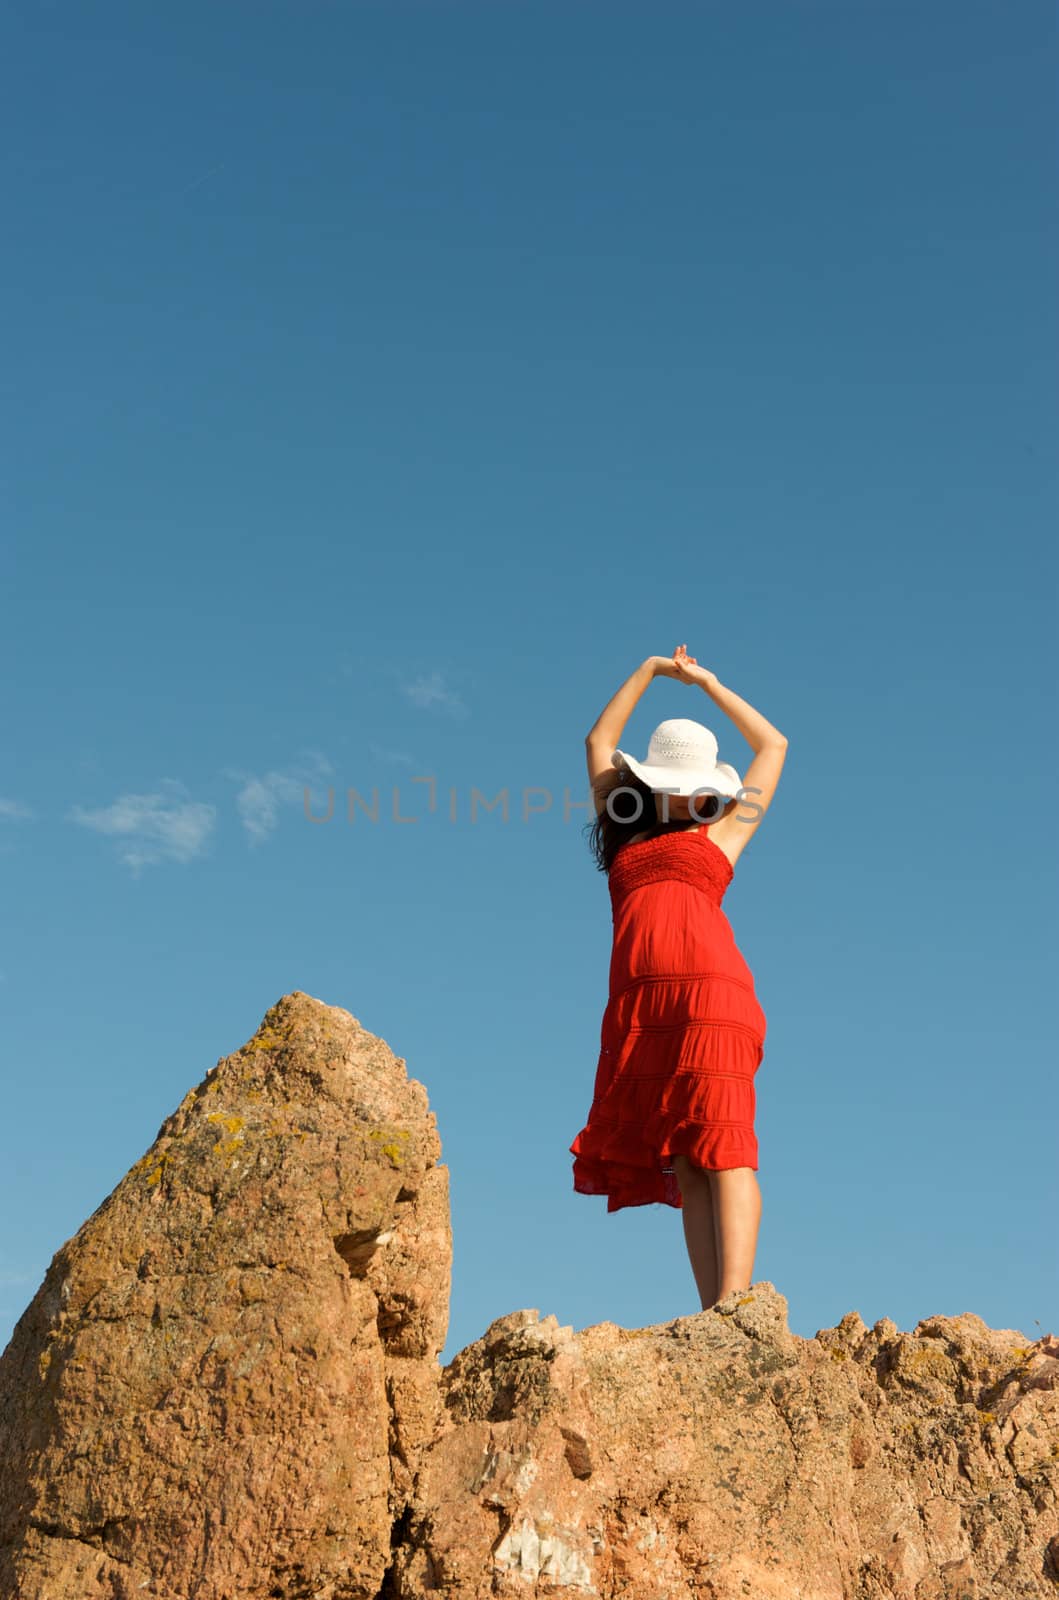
[723, 780]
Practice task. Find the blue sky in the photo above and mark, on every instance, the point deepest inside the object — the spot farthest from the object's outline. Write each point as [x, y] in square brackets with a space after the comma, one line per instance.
[384, 383]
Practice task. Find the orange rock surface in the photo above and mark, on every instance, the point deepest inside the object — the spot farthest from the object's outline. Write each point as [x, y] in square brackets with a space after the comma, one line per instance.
[227, 1388]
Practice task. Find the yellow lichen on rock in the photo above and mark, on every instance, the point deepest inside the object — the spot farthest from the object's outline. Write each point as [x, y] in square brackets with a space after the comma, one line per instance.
[391, 1148]
[154, 1159]
[155, 1176]
[266, 1039]
[232, 1123]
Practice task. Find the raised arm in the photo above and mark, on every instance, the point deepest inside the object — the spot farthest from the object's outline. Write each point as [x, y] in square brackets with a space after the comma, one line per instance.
[756, 729]
[767, 742]
[604, 736]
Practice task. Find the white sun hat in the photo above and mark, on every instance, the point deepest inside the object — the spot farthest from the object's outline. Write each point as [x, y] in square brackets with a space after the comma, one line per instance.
[682, 759]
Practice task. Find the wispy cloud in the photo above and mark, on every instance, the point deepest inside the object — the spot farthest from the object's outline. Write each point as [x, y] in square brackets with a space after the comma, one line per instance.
[430, 692]
[382, 752]
[261, 797]
[202, 177]
[14, 811]
[164, 826]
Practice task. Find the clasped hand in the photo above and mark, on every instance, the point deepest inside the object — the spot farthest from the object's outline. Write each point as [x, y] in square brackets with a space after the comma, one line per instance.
[681, 666]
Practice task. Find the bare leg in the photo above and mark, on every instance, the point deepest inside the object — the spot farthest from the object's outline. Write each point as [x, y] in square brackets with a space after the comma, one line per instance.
[697, 1210]
[737, 1213]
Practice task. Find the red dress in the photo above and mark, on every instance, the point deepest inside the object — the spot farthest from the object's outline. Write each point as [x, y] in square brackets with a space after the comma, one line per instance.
[683, 1032]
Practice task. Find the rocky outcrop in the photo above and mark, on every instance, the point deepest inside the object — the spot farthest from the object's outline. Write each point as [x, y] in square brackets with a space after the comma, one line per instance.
[222, 1382]
[228, 1388]
[719, 1455]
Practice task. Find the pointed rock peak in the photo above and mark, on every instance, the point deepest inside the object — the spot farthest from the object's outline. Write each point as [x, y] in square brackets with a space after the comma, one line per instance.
[221, 1380]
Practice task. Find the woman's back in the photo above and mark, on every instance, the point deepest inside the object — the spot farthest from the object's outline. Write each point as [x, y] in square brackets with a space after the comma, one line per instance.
[683, 1032]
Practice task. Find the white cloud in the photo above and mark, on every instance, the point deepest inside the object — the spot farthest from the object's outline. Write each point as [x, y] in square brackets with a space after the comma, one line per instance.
[432, 691]
[166, 826]
[382, 753]
[259, 800]
[14, 811]
[261, 797]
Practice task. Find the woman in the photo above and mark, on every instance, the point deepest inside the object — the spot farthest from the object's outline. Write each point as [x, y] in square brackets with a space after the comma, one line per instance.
[672, 1116]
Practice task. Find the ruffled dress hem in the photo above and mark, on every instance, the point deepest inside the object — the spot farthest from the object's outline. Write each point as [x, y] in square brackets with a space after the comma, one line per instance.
[602, 1165]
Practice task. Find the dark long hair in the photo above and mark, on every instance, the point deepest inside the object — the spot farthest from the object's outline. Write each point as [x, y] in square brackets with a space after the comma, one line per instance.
[634, 812]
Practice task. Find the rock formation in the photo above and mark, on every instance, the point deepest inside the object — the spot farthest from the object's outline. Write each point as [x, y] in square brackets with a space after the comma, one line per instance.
[227, 1388]
[220, 1384]
[719, 1455]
